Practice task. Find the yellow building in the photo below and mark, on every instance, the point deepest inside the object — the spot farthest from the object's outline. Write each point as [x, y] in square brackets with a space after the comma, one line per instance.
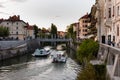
[84, 22]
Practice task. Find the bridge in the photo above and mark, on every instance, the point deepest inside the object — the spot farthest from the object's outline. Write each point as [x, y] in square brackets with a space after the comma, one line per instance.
[111, 56]
[54, 40]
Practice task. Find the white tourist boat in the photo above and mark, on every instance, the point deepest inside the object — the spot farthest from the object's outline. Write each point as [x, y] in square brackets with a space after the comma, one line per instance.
[41, 52]
[59, 56]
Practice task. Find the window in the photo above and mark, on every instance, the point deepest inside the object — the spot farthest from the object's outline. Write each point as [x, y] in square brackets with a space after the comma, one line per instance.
[85, 25]
[118, 30]
[113, 10]
[80, 30]
[17, 23]
[109, 13]
[16, 27]
[118, 11]
[7, 23]
[83, 21]
[17, 33]
[85, 30]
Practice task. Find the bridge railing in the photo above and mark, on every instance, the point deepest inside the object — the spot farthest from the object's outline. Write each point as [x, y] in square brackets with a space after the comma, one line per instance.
[54, 39]
[111, 55]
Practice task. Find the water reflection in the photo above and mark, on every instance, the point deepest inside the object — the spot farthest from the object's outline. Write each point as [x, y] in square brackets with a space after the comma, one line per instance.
[27, 67]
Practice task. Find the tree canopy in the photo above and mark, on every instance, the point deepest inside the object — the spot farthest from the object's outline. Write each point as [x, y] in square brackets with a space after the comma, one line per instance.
[71, 32]
[36, 31]
[53, 30]
[87, 50]
[4, 31]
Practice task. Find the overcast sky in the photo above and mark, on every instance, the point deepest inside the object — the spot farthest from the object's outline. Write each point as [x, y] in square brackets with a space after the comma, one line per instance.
[44, 12]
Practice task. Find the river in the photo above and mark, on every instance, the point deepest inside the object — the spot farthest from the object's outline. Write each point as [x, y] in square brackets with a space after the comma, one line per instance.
[27, 67]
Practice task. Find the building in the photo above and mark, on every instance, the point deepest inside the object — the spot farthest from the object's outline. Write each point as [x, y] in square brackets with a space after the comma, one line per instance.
[18, 29]
[61, 34]
[29, 32]
[116, 21]
[76, 29]
[108, 21]
[99, 16]
[84, 23]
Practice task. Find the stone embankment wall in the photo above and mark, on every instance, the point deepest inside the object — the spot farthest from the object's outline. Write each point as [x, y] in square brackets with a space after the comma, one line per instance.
[9, 44]
[9, 49]
[111, 56]
[13, 51]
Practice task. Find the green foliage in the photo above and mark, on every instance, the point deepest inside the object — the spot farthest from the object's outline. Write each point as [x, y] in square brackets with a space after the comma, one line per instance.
[71, 32]
[100, 71]
[87, 50]
[4, 31]
[88, 73]
[36, 31]
[54, 30]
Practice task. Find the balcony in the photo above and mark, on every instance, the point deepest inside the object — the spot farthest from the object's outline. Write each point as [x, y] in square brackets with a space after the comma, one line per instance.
[108, 23]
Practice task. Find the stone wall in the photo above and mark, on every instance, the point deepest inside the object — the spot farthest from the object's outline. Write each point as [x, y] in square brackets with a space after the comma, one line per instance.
[9, 49]
[9, 44]
[111, 57]
[12, 52]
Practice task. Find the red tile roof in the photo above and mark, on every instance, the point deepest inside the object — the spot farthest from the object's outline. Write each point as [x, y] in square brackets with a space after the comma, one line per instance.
[30, 28]
[85, 16]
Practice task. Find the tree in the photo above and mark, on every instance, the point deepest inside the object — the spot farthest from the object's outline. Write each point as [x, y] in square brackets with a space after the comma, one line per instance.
[53, 30]
[4, 31]
[88, 73]
[87, 50]
[71, 32]
[36, 31]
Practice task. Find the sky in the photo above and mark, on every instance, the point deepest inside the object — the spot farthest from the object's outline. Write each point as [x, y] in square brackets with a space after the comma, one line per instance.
[44, 12]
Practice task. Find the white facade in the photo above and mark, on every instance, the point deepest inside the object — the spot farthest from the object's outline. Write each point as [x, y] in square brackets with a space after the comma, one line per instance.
[18, 29]
[101, 31]
[112, 20]
[116, 22]
[30, 34]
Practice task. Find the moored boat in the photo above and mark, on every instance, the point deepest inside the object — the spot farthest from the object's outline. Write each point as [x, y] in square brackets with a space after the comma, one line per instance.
[41, 53]
[59, 56]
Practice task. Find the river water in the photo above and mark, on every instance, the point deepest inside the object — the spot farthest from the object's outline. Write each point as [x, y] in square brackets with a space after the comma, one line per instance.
[27, 67]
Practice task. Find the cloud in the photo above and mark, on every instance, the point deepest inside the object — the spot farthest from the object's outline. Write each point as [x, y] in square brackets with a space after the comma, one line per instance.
[1, 6]
[4, 13]
[18, 0]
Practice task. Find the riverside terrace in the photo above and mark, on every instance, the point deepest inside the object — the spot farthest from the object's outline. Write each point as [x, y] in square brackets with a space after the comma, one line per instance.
[111, 57]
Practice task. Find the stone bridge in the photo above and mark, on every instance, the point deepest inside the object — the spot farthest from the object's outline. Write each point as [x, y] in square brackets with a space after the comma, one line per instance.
[54, 40]
[111, 56]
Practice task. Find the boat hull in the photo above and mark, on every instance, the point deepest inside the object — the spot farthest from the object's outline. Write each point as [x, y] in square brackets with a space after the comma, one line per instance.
[41, 53]
[59, 61]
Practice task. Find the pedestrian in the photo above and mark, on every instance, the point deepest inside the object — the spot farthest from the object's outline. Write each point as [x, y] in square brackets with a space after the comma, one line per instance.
[113, 43]
[118, 44]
